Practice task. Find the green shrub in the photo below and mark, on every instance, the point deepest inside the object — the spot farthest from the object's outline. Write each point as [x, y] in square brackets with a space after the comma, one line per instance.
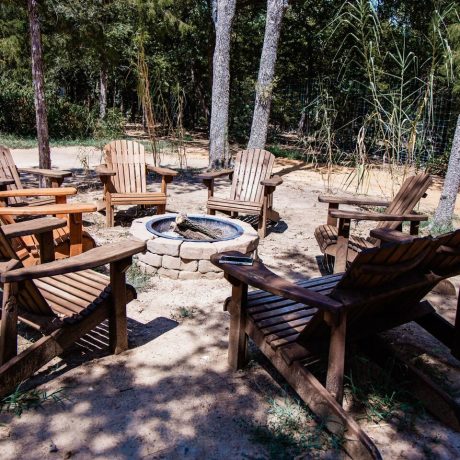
[17, 114]
[112, 125]
[67, 120]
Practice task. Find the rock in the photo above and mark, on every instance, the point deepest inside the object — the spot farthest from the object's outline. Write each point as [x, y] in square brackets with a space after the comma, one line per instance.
[244, 243]
[151, 259]
[170, 262]
[189, 265]
[249, 230]
[165, 246]
[206, 266]
[53, 447]
[147, 268]
[200, 250]
[173, 274]
[184, 275]
[139, 231]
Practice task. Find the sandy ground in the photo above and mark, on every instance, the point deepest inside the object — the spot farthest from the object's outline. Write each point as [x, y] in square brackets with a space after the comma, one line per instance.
[172, 395]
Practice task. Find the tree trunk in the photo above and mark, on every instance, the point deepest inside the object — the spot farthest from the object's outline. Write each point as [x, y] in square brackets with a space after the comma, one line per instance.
[44, 158]
[102, 93]
[264, 86]
[218, 139]
[445, 211]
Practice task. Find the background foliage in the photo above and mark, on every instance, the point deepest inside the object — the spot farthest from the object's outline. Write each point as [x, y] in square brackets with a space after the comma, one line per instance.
[354, 78]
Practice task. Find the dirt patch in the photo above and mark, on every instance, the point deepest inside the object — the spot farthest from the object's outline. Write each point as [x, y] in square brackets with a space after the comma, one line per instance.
[172, 395]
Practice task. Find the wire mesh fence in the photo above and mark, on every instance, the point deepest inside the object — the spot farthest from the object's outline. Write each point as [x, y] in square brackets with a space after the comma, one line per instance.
[347, 122]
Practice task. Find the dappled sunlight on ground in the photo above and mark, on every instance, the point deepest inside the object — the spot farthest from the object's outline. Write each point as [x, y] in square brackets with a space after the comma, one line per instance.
[172, 394]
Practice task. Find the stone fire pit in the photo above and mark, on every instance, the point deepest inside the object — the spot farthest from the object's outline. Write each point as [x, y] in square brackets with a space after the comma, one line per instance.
[174, 257]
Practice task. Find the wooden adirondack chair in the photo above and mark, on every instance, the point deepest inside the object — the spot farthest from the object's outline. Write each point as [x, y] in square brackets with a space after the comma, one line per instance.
[69, 240]
[443, 262]
[10, 180]
[62, 299]
[124, 178]
[41, 229]
[334, 238]
[298, 325]
[252, 188]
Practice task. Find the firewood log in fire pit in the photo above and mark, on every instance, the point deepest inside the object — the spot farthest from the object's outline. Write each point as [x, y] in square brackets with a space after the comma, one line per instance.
[193, 230]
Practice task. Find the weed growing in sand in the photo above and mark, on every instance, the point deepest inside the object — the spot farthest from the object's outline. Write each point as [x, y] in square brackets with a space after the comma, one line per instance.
[183, 313]
[291, 430]
[138, 278]
[373, 390]
[83, 158]
[19, 401]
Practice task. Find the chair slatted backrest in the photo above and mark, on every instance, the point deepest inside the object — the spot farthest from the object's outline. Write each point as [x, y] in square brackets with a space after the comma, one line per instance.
[386, 281]
[29, 297]
[127, 159]
[8, 170]
[445, 260]
[410, 193]
[251, 167]
[378, 268]
[23, 244]
[380, 281]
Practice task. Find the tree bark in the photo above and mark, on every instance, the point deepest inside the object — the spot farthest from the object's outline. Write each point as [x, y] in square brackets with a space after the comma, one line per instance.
[445, 210]
[218, 139]
[103, 93]
[44, 158]
[265, 83]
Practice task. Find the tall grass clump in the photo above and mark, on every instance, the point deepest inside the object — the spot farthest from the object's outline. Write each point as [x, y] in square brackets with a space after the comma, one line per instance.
[398, 74]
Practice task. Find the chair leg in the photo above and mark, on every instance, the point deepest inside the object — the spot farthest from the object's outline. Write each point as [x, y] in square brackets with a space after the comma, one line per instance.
[271, 213]
[237, 341]
[341, 255]
[262, 227]
[9, 324]
[109, 211]
[336, 365]
[118, 323]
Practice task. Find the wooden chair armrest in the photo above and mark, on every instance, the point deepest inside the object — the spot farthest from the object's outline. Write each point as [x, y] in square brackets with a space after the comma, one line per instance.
[376, 217]
[102, 170]
[215, 174]
[332, 199]
[261, 277]
[161, 171]
[272, 182]
[53, 173]
[46, 210]
[33, 227]
[62, 191]
[388, 235]
[5, 182]
[8, 265]
[91, 259]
